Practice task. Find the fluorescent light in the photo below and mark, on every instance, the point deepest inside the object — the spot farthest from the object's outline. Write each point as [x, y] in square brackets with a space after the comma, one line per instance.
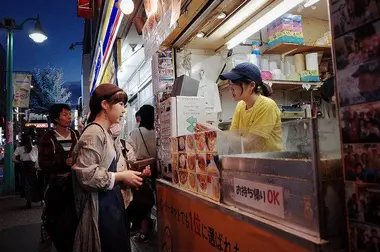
[267, 18]
[127, 6]
[239, 17]
[310, 3]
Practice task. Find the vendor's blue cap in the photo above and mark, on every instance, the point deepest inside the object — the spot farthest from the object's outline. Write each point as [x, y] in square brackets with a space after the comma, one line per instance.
[243, 71]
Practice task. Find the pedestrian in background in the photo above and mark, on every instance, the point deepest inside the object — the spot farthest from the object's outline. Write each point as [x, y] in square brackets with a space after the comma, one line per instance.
[25, 156]
[143, 142]
[55, 160]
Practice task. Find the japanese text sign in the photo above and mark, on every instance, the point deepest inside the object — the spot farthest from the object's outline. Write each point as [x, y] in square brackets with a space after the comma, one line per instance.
[263, 197]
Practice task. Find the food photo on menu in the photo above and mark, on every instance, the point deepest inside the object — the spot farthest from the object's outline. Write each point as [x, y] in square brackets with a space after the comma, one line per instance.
[191, 162]
[362, 163]
[210, 138]
[361, 123]
[182, 143]
[200, 142]
[350, 14]
[364, 238]
[182, 161]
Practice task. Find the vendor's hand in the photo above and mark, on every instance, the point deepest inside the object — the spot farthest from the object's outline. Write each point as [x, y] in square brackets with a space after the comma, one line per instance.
[202, 127]
[70, 161]
[147, 172]
[131, 178]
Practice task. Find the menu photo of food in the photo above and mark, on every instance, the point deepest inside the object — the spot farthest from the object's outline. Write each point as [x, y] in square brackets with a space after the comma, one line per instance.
[191, 160]
[212, 162]
[201, 163]
[182, 143]
[192, 184]
[214, 188]
[200, 142]
[211, 141]
[182, 161]
[214, 175]
[173, 144]
[174, 161]
[203, 181]
[175, 177]
[183, 179]
[190, 143]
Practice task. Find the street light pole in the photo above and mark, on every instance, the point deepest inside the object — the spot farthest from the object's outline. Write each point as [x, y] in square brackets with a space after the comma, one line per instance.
[38, 36]
[9, 175]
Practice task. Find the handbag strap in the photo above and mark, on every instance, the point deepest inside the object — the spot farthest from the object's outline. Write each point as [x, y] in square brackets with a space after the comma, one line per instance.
[146, 147]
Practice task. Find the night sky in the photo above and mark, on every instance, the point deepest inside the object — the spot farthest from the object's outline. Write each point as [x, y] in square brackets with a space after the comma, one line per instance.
[61, 25]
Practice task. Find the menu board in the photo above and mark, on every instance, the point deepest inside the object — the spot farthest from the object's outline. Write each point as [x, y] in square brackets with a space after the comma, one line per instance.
[356, 33]
[195, 163]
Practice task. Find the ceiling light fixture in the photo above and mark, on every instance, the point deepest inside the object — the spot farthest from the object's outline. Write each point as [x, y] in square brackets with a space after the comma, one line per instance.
[263, 21]
[200, 35]
[221, 15]
[127, 6]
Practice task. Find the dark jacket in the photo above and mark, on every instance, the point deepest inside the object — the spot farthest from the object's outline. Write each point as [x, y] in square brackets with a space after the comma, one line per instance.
[52, 156]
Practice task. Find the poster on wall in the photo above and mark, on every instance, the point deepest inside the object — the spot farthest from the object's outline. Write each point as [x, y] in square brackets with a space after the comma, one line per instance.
[163, 80]
[356, 32]
[162, 18]
[21, 84]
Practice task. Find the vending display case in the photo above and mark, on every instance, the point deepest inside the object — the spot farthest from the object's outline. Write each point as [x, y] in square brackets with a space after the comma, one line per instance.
[300, 188]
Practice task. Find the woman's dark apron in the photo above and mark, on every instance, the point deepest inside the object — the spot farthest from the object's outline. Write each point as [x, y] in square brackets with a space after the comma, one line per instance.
[113, 225]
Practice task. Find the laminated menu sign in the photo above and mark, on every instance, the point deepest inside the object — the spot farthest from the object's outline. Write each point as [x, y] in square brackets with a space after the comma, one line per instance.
[190, 110]
[195, 163]
[263, 197]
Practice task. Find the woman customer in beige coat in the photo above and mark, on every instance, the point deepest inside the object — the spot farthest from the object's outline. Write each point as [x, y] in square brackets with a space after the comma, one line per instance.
[100, 206]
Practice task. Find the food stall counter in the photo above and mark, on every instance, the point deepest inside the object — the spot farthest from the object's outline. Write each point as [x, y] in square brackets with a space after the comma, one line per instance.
[189, 222]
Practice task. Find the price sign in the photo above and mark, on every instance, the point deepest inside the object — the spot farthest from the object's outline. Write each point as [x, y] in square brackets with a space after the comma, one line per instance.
[263, 197]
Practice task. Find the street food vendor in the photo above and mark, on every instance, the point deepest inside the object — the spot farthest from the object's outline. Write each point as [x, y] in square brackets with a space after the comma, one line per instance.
[257, 118]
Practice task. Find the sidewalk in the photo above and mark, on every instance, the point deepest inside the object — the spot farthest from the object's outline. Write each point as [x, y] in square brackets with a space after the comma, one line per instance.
[20, 228]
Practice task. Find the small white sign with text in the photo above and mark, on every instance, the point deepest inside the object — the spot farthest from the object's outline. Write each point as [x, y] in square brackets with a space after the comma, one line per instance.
[263, 197]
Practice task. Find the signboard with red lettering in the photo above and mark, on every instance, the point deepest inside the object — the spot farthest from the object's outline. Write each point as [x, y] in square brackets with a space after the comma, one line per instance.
[187, 223]
[263, 197]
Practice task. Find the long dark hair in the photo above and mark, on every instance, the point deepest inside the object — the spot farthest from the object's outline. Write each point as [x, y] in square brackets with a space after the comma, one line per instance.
[260, 88]
[26, 141]
[146, 113]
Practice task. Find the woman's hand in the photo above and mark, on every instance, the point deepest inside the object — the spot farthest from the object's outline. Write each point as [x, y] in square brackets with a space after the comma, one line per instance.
[131, 178]
[202, 127]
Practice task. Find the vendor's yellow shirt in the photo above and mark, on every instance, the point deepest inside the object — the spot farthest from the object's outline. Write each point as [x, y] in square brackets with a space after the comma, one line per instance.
[263, 119]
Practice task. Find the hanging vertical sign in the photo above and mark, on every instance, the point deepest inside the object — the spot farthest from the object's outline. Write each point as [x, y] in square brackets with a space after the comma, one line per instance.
[106, 39]
[356, 34]
[21, 85]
